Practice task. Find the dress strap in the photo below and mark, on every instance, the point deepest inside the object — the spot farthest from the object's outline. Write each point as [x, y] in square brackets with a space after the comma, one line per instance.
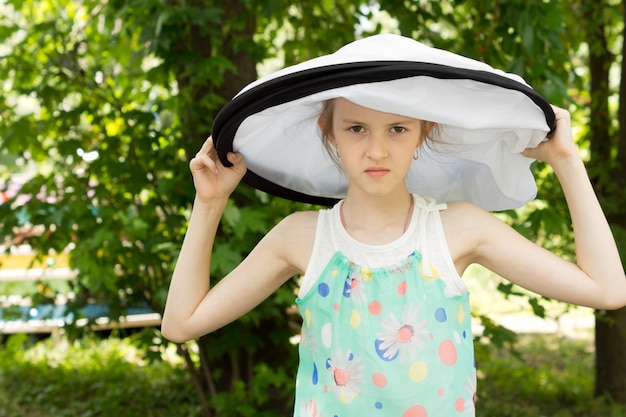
[423, 208]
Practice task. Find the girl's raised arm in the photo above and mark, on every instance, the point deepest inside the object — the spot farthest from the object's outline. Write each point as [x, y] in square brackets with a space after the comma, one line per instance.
[597, 278]
[191, 309]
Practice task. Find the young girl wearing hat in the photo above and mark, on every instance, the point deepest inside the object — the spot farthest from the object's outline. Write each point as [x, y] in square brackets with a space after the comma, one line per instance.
[386, 319]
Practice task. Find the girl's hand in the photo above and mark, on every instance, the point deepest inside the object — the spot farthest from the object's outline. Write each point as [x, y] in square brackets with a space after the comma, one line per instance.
[560, 146]
[211, 179]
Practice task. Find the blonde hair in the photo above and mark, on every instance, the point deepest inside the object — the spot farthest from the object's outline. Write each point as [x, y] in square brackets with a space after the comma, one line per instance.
[429, 130]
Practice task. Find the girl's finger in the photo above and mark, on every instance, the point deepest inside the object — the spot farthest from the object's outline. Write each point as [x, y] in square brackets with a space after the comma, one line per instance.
[207, 145]
[201, 161]
[234, 158]
[208, 149]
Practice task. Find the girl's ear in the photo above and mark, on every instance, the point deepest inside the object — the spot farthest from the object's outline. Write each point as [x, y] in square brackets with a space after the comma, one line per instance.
[321, 123]
[429, 130]
[429, 127]
[327, 131]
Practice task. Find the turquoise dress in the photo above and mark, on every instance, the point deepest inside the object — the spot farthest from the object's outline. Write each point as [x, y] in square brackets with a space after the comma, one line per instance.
[390, 340]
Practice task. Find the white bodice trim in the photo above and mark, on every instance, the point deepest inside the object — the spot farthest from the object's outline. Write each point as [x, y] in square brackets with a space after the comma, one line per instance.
[424, 234]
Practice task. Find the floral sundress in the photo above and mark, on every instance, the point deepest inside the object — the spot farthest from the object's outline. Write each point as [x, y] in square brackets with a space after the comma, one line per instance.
[384, 341]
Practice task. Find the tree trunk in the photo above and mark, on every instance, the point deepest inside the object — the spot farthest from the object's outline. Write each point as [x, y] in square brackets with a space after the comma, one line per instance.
[608, 175]
[197, 109]
[218, 373]
[197, 99]
[610, 359]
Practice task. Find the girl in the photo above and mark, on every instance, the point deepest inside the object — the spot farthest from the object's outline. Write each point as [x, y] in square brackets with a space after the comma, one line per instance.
[414, 327]
[386, 319]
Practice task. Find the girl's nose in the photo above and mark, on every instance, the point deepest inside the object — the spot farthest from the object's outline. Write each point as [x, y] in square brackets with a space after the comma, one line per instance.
[377, 148]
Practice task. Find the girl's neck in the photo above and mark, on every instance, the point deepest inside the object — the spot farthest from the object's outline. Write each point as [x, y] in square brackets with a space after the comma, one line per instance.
[377, 221]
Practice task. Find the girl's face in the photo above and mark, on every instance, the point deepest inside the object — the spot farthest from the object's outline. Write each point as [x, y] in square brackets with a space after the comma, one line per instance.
[376, 149]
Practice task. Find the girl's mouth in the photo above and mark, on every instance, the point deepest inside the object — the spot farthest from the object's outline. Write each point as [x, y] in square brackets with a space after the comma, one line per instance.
[377, 172]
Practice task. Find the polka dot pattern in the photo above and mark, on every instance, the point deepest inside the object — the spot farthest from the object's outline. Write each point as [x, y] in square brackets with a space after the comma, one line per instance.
[378, 334]
[440, 315]
[323, 289]
[447, 352]
[415, 411]
[418, 371]
[375, 308]
[379, 380]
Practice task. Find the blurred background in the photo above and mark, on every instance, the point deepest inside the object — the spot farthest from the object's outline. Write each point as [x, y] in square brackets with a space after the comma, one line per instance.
[102, 104]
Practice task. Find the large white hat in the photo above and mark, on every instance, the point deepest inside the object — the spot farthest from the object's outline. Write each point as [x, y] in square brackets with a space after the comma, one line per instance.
[487, 118]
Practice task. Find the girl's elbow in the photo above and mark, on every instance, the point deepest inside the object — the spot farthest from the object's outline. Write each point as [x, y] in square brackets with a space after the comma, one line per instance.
[174, 333]
[617, 301]
[613, 300]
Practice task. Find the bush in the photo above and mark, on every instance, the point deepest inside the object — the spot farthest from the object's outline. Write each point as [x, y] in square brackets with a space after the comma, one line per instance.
[88, 378]
[537, 376]
[540, 375]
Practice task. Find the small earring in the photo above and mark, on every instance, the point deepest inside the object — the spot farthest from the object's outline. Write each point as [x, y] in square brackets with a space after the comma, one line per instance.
[337, 152]
[415, 154]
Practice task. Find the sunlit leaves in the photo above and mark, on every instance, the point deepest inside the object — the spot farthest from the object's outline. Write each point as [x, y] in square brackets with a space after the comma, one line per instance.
[112, 164]
[110, 99]
[523, 37]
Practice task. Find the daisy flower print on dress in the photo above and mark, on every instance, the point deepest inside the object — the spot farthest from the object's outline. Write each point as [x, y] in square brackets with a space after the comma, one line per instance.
[354, 285]
[467, 405]
[309, 409]
[347, 373]
[401, 337]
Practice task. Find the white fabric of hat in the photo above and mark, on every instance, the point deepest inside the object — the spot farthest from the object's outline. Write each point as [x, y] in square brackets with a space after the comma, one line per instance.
[486, 119]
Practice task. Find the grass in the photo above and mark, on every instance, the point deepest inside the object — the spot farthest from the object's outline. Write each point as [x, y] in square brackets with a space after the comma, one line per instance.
[90, 377]
[540, 376]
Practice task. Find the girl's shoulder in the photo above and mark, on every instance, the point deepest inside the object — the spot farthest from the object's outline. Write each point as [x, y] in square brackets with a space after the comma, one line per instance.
[460, 213]
[295, 235]
[465, 226]
[462, 217]
[299, 226]
[456, 209]
[300, 221]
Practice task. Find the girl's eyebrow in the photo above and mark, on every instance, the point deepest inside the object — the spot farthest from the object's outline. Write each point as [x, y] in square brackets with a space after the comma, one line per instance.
[352, 122]
[401, 120]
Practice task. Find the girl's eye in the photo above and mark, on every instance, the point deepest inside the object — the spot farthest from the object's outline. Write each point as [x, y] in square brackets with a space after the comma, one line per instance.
[357, 129]
[398, 129]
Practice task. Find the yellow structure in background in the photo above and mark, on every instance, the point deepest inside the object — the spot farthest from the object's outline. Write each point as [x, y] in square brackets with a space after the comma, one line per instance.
[8, 261]
[25, 266]
[30, 267]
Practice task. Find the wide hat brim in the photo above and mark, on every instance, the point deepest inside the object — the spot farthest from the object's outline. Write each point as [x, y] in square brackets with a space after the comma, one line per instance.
[486, 119]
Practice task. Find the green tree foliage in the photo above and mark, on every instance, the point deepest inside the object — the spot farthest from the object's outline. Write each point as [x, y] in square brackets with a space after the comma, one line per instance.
[527, 38]
[110, 99]
[77, 102]
[602, 25]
